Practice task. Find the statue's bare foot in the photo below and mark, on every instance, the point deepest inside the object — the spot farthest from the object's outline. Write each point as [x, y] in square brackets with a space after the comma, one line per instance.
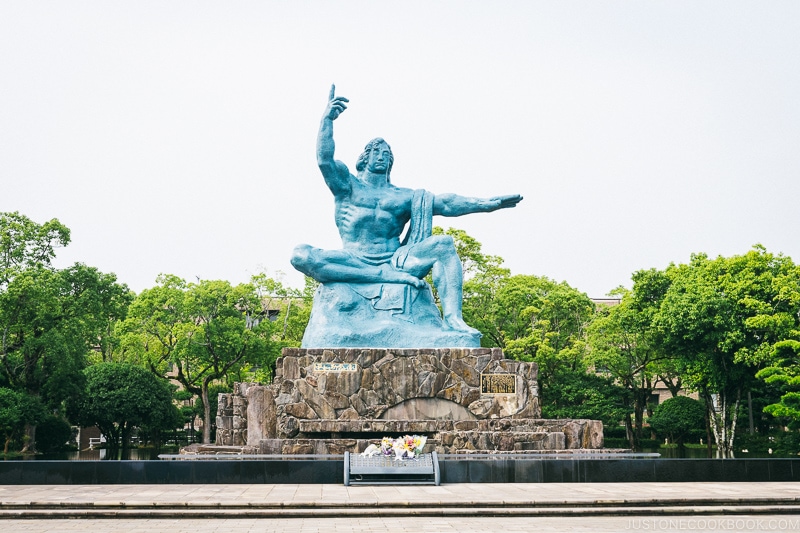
[391, 275]
[458, 324]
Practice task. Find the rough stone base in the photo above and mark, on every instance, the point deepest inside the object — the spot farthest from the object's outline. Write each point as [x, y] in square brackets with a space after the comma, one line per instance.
[444, 436]
[328, 401]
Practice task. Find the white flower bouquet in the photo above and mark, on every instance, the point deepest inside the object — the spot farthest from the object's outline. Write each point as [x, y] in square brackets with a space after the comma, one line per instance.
[406, 447]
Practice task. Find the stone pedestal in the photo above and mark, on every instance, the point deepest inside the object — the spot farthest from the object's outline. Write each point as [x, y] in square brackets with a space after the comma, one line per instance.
[464, 399]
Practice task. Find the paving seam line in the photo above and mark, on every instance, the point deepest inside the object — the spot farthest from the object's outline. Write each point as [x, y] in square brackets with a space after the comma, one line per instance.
[429, 511]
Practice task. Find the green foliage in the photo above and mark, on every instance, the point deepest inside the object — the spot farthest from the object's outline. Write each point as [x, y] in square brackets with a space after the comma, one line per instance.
[16, 410]
[482, 274]
[625, 346]
[52, 433]
[784, 371]
[26, 245]
[533, 319]
[474, 263]
[209, 331]
[52, 320]
[582, 395]
[722, 317]
[290, 310]
[782, 444]
[536, 319]
[677, 417]
[121, 396]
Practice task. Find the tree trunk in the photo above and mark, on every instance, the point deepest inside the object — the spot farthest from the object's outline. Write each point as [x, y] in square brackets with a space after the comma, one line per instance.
[722, 419]
[125, 437]
[29, 445]
[206, 415]
[629, 432]
[640, 397]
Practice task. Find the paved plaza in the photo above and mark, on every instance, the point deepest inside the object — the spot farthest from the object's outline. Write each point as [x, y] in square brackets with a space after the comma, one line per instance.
[674, 524]
[463, 508]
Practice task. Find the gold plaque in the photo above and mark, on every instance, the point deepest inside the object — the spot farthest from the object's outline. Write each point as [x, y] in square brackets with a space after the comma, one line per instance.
[498, 384]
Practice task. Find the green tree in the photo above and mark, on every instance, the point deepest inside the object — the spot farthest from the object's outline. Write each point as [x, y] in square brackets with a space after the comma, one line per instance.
[536, 319]
[723, 317]
[24, 244]
[52, 433]
[229, 330]
[474, 263]
[483, 277]
[119, 397]
[586, 395]
[207, 331]
[16, 410]
[677, 417]
[155, 324]
[289, 309]
[784, 370]
[626, 348]
[51, 321]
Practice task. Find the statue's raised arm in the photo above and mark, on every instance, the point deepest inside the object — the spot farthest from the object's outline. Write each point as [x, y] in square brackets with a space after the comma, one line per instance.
[336, 174]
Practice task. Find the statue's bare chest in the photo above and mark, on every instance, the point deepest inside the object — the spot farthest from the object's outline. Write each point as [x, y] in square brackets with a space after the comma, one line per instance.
[395, 203]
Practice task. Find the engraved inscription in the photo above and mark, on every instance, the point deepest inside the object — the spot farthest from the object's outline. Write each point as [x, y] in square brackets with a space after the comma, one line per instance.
[335, 367]
[498, 384]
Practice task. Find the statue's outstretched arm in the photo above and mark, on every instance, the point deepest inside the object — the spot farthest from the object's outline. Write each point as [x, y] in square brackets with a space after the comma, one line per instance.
[453, 205]
[335, 172]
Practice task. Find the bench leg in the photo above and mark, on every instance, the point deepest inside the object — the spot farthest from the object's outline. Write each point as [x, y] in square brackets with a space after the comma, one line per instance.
[346, 469]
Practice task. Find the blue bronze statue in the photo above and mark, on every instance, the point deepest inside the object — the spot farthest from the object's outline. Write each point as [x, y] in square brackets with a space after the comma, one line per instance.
[372, 292]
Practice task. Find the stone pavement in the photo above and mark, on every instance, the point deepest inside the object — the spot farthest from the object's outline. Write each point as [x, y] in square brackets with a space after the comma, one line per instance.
[676, 524]
[467, 508]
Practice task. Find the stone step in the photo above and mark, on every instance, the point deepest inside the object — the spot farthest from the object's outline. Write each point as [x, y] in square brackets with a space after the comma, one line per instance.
[349, 510]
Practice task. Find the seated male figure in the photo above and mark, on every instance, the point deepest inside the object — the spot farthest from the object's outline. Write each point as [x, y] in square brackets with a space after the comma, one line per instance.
[371, 213]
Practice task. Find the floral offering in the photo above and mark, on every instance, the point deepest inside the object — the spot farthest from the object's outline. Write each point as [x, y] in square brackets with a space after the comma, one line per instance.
[406, 447]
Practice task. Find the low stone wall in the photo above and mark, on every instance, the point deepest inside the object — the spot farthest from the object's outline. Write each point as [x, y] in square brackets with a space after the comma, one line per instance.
[466, 436]
[331, 401]
[514, 469]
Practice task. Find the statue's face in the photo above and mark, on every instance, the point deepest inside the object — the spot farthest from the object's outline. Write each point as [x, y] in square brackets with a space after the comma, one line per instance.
[379, 159]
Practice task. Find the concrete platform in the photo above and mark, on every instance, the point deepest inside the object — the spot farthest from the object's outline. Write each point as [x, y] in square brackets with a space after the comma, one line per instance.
[463, 508]
[485, 499]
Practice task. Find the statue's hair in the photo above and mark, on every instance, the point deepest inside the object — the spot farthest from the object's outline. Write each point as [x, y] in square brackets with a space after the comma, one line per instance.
[361, 164]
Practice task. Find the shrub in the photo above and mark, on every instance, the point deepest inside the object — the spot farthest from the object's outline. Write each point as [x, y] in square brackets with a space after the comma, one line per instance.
[677, 417]
[52, 434]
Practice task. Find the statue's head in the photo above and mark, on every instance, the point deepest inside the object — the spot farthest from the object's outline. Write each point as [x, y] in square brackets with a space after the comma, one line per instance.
[378, 145]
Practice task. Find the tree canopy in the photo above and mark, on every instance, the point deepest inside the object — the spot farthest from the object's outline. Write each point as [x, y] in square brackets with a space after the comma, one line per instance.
[677, 417]
[206, 331]
[51, 320]
[625, 345]
[118, 397]
[722, 318]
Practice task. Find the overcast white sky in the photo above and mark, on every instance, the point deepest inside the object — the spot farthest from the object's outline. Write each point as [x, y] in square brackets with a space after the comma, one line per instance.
[179, 137]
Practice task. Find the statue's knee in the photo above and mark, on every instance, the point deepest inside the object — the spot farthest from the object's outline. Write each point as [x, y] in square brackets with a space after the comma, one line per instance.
[445, 244]
[301, 256]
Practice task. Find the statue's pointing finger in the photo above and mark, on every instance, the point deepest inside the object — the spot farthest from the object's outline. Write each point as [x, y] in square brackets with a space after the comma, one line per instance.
[336, 104]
